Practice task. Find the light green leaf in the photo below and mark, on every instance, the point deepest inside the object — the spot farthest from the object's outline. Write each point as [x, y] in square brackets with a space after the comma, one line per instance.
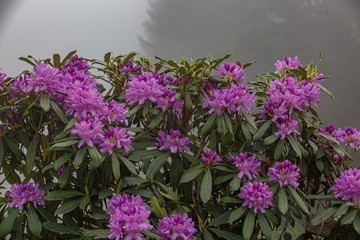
[45, 102]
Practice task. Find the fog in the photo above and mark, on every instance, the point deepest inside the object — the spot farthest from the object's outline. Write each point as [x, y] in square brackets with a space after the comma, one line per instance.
[258, 30]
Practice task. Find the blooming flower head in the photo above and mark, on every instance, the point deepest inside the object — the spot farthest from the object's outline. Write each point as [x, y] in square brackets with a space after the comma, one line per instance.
[247, 165]
[22, 193]
[210, 157]
[128, 68]
[286, 173]
[231, 72]
[286, 127]
[75, 64]
[88, 129]
[256, 195]
[128, 216]
[176, 226]
[172, 141]
[347, 186]
[287, 63]
[115, 137]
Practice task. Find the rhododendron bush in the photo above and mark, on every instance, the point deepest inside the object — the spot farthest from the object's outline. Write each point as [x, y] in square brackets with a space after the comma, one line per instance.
[128, 149]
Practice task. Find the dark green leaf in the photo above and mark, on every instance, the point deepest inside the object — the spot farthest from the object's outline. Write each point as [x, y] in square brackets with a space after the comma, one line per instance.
[191, 173]
[133, 110]
[265, 226]
[249, 120]
[176, 170]
[188, 101]
[356, 224]
[235, 184]
[220, 220]
[249, 224]
[229, 199]
[68, 56]
[206, 187]
[71, 123]
[246, 132]
[115, 166]
[283, 202]
[14, 146]
[299, 201]
[61, 194]
[129, 165]
[156, 121]
[157, 164]
[59, 112]
[64, 177]
[279, 149]
[96, 233]
[58, 228]
[221, 126]
[8, 223]
[323, 216]
[79, 157]
[207, 235]
[62, 160]
[295, 145]
[95, 157]
[129, 56]
[64, 144]
[228, 123]
[104, 193]
[27, 61]
[30, 156]
[56, 60]
[349, 217]
[209, 124]
[33, 221]
[84, 201]
[67, 207]
[326, 91]
[225, 234]
[159, 211]
[320, 164]
[270, 139]
[262, 130]
[236, 214]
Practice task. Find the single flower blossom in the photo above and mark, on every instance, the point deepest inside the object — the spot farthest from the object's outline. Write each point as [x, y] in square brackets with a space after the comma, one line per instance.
[231, 72]
[286, 173]
[287, 63]
[175, 227]
[22, 193]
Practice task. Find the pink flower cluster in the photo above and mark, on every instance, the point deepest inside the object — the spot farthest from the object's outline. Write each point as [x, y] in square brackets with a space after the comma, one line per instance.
[210, 157]
[22, 193]
[287, 95]
[152, 87]
[286, 173]
[176, 227]
[128, 216]
[256, 195]
[248, 166]
[347, 186]
[231, 99]
[172, 141]
[231, 72]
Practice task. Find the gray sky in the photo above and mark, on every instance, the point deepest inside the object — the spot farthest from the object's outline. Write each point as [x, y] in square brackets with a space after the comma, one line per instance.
[43, 27]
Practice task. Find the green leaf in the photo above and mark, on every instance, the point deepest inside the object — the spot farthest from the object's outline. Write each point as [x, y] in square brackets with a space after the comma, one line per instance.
[68, 56]
[323, 216]
[188, 101]
[95, 157]
[191, 173]
[115, 166]
[104, 193]
[84, 201]
[14, 146]
[30, 156]
[298, 199]
[8, 223]
[270, 139]
[150, 234]
[349, 217]
[64, 177]
[61, 194]
[159, 211]
[326, 91]
[320, 164]
[283, 202]
[133, 110]
[176, 169]
[272, 217]
[356, 223]
[62, 160]
[248, 119]
[129, 165]
[157, 164]
[209, 124]
[228, 123]
[45, 102]
[129, 56]
[79, 157]
[33, 221]
[207, 235]
[206, 187]
[225, 234]
[279, 149]
[59, 112]
[168, 191]
[246, 132]
[262, 130]
[132, 181]
[265, 226]
[295, 145]
[71, 123]
[67, 207]
[156, 121]
[191, 158]
[2, 151]
[27, 61]
[235, 184]
[220, 220]
[221, 126]
[58, 228]
[236, 214]
[230, 199]
[64, 144]
[96, 233]
[249, 224]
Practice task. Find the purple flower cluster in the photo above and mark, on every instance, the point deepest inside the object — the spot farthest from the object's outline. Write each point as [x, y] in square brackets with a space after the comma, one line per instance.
[256, 195]
[287, 63]
[232, 99]
[231, 72]
[349, 136]
[287, 95]
[2, 78]
[152, 87]
[210, 157]
[128, 68]
[286, 173]
[74, 89]
[247, 165]
[22, 193]
[347, 186]
[176, 227]
[128, 216]
[172, 141]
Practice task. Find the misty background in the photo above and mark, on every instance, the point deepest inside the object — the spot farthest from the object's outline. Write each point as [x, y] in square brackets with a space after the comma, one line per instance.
[258, 30]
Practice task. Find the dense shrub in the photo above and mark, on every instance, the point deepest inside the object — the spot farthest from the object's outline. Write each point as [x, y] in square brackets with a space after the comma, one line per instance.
[185, 150]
